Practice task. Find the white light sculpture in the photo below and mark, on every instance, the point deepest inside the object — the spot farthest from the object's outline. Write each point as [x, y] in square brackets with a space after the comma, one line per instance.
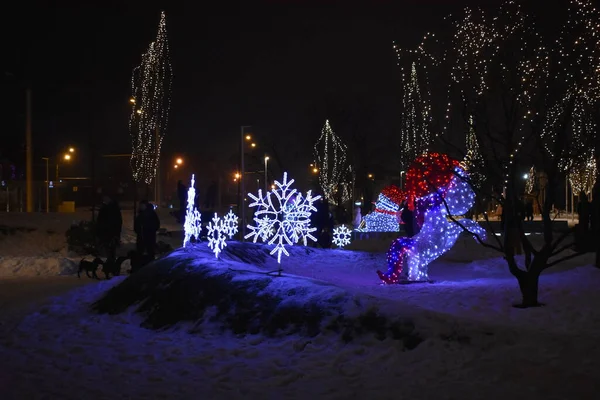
[341, 236]
[230, 224]
[193, 219]
[216, 235]
[383, 218]
[282, 217]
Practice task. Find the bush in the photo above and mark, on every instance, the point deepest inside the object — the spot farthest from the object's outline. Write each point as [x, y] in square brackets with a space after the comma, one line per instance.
[81, 238]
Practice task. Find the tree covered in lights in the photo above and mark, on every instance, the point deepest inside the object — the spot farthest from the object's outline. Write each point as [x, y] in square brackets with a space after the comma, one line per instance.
[151, 102]
[332, 165]
[473, 161]
[532, 98]
[416, 118]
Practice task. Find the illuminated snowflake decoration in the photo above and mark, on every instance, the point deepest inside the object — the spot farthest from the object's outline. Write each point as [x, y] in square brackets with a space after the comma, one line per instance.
[282, 217]
[216, 235]
[341, 236]
[230, 224]
[193, 220]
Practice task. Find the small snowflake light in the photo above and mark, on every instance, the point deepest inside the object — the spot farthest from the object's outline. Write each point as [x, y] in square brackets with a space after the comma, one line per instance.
[282, 217]
[216, 235]
[230, 224]
[341, 236]
[193, 220]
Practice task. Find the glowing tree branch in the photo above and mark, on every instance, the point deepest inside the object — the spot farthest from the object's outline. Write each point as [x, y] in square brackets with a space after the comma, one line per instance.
[151, 101]
[330, 160]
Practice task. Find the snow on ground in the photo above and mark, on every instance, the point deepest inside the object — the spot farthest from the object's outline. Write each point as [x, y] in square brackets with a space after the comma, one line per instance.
[35, 244]
[496, 352]
[59, 349]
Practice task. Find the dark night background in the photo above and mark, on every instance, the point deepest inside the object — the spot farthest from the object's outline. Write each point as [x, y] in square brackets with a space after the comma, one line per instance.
[281, 66]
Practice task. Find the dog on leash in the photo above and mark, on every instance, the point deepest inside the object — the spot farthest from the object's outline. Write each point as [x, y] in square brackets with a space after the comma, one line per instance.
[89, 266]
[112, 266]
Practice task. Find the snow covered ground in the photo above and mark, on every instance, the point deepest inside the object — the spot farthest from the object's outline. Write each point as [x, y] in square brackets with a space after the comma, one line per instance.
[35, 244]
[477, 346]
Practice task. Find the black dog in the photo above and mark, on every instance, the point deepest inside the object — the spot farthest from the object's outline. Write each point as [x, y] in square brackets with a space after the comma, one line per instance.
[138, 260]
[113, 266]
[89, 266]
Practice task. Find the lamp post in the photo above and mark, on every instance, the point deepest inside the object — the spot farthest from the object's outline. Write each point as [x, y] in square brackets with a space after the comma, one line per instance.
[47, 159]
[401, 183]
[266, 176]
[242, 206]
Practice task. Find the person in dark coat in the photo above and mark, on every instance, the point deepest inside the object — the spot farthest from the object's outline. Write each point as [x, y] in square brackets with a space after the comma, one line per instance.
[529, 210]
[583, 209]
[408, 217]
[146, 225]
[108, 226]
[182, 195]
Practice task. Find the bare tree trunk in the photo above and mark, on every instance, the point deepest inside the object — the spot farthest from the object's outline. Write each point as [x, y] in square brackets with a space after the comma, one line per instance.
[529, 284]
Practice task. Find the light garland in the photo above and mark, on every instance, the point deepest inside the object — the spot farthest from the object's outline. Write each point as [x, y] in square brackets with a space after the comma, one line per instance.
[151, 102]
[440, 186]
[342, 236]
[531, 179]
[473, 162]
[416, 119]
[216, 235]
[282, 217]
[192, 226]
[330, 160]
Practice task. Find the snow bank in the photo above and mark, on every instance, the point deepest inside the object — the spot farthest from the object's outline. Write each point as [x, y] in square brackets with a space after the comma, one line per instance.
[64, 351]
[36, 266]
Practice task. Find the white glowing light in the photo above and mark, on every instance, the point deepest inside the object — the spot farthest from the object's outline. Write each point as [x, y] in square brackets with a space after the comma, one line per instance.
[341, 236]
[193, 219]
[415, 135]
[150, 105]
[282, 217]
[230, 224]
[216, 235]
[330, 162]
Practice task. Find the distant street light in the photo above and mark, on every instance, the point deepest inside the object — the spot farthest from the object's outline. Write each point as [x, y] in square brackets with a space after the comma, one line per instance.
[526, 176]
[253, 145]
[71, 150]
[132, 100]
[179, 161]
[266, 164]
[67, 157]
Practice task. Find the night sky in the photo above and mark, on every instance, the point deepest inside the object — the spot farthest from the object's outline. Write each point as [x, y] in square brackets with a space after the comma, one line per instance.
[281, 66]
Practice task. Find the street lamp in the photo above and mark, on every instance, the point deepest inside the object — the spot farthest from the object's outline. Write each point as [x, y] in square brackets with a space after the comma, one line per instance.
[242, 205]
[370, 176]
[266, 164]
[47, 159]
[179, 161]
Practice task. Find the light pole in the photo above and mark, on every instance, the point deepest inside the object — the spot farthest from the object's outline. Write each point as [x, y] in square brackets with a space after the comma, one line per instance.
[242, 188]
[401, 183]
[47, 159]
[266, 164]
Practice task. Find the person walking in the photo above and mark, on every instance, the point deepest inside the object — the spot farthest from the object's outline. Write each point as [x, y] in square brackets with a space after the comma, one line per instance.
[108, 226]
[146, 225]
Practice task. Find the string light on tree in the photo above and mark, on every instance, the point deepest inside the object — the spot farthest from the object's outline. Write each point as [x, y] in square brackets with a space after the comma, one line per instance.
[531, 179]
[151, 102]
[416, 119]
[193, 219]
[330, 162]
[474, 162]
[342, 236]
[282, 217]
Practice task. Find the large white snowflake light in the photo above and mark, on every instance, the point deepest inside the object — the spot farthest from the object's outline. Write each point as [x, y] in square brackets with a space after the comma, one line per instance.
[282, 217]
[216, 235]
[341, 236]
[193, 220]
[230, 224]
